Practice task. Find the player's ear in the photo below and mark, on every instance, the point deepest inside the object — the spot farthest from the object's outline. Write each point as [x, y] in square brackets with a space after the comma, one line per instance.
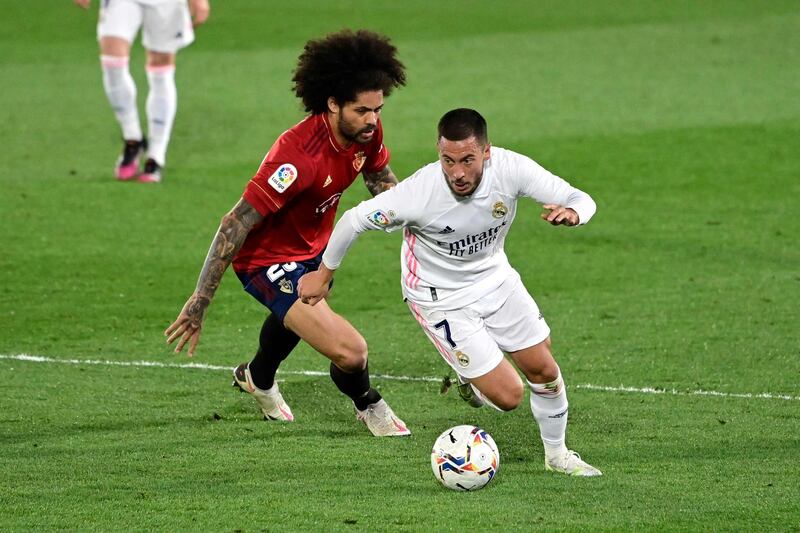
[333, 106]
[487, 151]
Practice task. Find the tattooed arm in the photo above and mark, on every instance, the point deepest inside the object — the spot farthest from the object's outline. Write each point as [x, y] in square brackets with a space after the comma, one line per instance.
[380, 181]
[229, 238]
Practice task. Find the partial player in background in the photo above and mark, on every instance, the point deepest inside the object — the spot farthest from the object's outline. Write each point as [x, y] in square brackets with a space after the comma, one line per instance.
[166, 28]
[279, 228]
[457, 280]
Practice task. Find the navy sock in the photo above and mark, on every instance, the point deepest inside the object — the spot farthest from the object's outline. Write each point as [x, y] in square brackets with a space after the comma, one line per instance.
[275, 344]
[356, 386]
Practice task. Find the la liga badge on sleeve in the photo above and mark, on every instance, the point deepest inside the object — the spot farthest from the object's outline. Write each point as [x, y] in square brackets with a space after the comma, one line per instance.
[283, 177]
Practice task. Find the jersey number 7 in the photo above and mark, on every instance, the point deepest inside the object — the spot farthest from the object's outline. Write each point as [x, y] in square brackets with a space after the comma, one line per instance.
[446, 326]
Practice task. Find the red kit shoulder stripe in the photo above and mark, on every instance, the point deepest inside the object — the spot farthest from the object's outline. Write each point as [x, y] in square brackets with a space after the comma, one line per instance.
[314, 144]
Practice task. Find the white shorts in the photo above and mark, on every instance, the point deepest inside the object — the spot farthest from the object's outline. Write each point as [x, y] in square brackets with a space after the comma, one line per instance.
[472, 339]
[166, 24]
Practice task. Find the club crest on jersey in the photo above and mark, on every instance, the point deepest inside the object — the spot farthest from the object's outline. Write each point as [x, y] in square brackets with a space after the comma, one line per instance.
[358, 160]
[379, 218]
[463, 359]
[286, 286]
[499, 210]
[283, 177]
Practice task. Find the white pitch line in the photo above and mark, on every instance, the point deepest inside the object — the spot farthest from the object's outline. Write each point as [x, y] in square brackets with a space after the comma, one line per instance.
[198, 366]
[202, 366]
[699, 392]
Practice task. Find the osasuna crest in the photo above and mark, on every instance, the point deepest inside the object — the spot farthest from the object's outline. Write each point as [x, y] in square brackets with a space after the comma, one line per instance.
[358, 160]
[499, 210]
[286, 286]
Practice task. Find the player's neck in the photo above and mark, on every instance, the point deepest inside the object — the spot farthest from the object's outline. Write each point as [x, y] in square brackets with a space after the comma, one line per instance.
[343, 142]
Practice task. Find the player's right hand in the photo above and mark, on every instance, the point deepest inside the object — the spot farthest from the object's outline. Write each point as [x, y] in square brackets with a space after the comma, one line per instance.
[188, 325]
[83, 3]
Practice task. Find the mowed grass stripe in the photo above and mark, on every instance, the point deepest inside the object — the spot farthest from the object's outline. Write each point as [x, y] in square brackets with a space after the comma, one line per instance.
[315, 373]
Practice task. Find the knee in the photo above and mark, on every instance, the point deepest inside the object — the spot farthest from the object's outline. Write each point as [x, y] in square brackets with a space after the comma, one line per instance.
[548, 372]
[352, 356]
[160, 59]
[541, 366]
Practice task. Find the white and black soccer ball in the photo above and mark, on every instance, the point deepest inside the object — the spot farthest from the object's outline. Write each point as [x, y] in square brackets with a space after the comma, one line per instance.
[465, 458]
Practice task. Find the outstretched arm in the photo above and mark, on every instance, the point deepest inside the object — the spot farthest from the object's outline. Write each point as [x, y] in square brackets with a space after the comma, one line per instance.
[230, 236]
[389, 211]
[380, 181]
[315, 286]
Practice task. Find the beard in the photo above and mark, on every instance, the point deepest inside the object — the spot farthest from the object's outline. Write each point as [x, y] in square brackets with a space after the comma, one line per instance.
[351, 134]
[451, 185]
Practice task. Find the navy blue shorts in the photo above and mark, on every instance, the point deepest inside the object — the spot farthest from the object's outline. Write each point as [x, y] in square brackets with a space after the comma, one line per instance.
[276, 286]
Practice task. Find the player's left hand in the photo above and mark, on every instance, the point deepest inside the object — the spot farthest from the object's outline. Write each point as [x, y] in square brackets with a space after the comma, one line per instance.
[558, 215]
[200, 11]
[313, 287]
[82, 3]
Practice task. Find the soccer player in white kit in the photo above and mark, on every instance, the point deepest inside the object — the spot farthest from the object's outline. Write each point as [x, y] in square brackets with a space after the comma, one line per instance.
[166, 28]
[457, 280]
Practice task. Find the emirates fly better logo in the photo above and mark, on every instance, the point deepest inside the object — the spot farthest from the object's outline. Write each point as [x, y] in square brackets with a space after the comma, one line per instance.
[283, 177]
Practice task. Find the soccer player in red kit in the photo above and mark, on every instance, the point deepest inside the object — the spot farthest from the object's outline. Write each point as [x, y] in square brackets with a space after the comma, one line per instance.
[281, 225]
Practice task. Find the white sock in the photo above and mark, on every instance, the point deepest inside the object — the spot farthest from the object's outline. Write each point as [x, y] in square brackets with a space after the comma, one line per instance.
[550, 407]
[162, 102]
[121, 92]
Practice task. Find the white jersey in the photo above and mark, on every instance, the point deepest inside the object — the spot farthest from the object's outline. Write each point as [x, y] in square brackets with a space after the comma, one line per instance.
[452, 250]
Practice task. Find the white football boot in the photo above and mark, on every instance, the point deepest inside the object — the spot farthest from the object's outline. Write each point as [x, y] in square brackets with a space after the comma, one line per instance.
[381, 420]
[271, 402]
[570, 463]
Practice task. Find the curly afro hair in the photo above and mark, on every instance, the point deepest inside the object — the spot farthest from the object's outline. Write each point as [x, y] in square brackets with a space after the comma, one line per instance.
[344, 64]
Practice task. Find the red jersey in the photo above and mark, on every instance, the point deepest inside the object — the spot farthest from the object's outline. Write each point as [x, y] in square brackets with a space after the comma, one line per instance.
[297, 188]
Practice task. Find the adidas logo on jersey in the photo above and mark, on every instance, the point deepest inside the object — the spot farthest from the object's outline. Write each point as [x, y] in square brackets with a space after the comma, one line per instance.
[446, 230]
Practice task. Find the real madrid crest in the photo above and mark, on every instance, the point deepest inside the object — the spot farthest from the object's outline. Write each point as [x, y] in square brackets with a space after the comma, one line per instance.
[358, 160]
[286, 286]
[463, 359]
[499, 210]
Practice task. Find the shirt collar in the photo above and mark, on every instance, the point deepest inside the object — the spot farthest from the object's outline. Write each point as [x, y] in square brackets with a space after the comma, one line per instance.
[331, 136]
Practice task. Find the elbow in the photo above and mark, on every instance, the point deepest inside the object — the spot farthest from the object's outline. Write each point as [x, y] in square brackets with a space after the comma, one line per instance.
[232, 221]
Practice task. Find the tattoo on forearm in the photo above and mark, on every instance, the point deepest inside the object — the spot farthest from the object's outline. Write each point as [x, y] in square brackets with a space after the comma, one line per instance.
[196, 310]
[380, 181]
[229, 238]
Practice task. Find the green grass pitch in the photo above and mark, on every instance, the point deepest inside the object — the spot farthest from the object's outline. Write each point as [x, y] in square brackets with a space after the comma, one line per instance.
[682, 119]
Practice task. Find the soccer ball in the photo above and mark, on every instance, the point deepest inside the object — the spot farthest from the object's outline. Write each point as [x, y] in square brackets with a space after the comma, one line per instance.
[465, 458]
